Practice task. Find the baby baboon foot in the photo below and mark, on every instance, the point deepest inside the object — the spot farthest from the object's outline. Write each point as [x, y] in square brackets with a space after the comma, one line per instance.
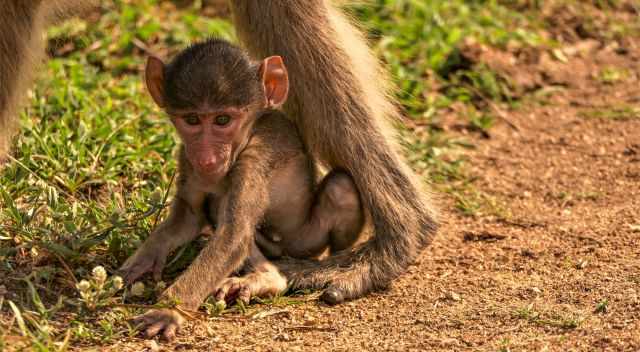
[332, 296]
[261, 285]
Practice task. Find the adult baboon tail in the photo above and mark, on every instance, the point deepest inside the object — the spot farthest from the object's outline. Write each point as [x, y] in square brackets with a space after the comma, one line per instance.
[339, 100]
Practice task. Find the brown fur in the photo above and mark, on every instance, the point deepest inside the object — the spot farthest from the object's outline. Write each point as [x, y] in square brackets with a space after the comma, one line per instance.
[22, 48]
[342, 113]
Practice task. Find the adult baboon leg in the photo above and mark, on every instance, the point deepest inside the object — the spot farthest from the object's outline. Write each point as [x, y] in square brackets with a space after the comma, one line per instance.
[21, 48]
[341, 106]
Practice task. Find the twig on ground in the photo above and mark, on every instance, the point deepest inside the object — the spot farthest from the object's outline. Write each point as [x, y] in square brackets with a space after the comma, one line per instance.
[66, 267]
[499, 112]
[311, 328]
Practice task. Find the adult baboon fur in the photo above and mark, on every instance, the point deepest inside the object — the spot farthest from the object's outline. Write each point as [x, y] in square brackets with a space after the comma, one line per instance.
[22, 24]
[340, 104]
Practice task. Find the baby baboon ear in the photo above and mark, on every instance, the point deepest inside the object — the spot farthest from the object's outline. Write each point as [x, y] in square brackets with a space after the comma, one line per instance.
[275, 81]
[154, 77]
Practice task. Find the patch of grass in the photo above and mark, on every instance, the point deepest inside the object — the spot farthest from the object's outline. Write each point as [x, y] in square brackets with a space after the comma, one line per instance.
[420, 40]
[503, 345]
[618, 113]
[611, 75]
[471, 201]
[602, 306]
[551, 319]
[568, 199]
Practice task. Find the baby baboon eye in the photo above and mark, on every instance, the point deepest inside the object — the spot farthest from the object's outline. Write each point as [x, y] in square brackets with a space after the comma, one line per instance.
[222, 120]
[192, 119]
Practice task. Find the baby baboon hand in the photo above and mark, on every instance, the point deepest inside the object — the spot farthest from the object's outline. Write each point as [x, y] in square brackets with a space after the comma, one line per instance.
[153, 322]
[150, 257]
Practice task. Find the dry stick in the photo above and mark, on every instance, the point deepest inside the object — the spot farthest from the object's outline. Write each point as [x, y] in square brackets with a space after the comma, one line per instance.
[164, 199]
[191, 314]
[142, 46]
[66, 267]
[501, 114]
[311, 328]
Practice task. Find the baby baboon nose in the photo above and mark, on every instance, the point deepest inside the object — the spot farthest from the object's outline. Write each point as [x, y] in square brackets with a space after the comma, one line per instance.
[207, 163]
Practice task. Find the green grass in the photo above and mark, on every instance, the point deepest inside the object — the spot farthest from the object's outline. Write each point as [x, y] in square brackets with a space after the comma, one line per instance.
[562, 321]
[92, 167]
[610, 75]
[421, 39]
[616, 113]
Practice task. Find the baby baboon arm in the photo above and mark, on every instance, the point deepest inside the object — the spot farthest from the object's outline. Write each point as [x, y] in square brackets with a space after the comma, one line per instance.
[181, 226]
[239, 212]
[263, 279]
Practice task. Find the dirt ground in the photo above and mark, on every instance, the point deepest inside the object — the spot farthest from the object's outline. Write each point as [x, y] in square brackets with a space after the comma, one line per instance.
[556, 268]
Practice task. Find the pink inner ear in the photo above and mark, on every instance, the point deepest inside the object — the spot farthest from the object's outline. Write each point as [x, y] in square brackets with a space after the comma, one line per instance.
[275, 81]
[272, 95]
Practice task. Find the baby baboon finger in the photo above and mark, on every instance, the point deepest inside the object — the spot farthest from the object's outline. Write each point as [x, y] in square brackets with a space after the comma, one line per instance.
[154, 329]
[170, 331]
[244, 294]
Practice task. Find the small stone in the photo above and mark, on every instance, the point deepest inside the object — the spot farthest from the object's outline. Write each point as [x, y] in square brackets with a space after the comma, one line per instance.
[582, 264]
[282, 337]
[454, 296]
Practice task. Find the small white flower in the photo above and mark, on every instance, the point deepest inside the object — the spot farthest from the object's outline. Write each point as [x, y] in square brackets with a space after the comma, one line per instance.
[99, 274]
[83, 286]
[221, 305]
[137, 289]
[117, 282]
[160, 286]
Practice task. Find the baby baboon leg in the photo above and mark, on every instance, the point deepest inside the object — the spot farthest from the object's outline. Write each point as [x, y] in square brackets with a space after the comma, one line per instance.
[338, 203]
[336, 218]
